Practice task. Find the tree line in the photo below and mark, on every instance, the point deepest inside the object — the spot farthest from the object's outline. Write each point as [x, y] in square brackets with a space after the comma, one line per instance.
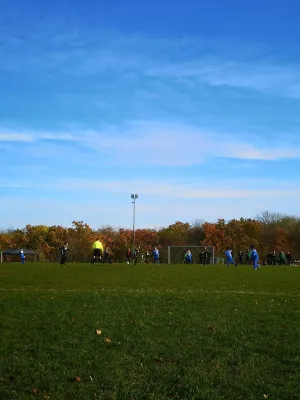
[268, 232]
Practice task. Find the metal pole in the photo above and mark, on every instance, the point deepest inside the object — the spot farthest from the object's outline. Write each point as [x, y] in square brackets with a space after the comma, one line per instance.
[133, 230]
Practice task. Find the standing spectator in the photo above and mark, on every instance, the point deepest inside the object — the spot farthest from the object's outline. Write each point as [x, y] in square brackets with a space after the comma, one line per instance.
[136, 254]
[201, 257]
[128, 256]
[206, 256]
[22, 256]
[241, 255]
[269, 258]
[147, 256]
[274, 258]
[248, 256]
[97, 251]
[156, 255]
[64, 253]
[288, 258]
[282, 258]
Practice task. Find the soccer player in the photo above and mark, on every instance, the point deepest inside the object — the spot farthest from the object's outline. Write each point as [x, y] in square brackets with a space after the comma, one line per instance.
[22, 257]
[254, 257]
[188, 257]
[156, 255]
[229, 258]
[64, 253]
[97, 250]
[106, 256]
[128, 256]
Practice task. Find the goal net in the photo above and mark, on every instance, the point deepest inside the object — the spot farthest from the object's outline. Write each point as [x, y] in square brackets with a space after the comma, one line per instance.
[201, 254]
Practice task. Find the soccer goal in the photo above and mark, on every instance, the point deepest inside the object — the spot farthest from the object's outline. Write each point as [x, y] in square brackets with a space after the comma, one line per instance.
[176, 254]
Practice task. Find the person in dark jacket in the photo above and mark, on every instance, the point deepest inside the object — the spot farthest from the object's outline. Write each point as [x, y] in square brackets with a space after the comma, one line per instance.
[206, 256]
[64, 253]
[147, 256]
[136, 254]
[106, 256]
[241, 255]
[288, 258]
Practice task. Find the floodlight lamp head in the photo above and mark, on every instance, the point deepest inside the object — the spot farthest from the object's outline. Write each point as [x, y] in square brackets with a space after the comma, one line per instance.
[132, 196]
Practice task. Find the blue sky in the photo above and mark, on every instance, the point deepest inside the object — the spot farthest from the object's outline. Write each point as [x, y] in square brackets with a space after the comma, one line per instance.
[193, 105]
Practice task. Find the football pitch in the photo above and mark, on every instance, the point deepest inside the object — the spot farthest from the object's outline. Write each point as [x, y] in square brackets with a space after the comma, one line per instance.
[167, 332]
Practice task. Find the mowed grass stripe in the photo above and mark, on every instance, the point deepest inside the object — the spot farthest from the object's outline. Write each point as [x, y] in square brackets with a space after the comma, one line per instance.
[145, 291]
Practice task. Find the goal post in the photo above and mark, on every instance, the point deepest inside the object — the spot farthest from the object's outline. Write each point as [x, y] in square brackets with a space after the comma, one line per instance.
[176, 254]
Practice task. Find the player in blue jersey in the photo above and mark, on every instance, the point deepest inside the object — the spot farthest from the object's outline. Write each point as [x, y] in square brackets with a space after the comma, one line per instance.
[156, 255]
[254, 257]
[22, 257]
[188, 257]
[229, 258]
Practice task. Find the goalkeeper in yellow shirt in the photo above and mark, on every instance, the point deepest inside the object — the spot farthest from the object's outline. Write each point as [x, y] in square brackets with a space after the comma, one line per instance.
[97, 251]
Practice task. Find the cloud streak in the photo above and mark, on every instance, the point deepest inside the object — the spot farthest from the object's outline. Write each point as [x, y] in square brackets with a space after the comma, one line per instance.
[145, 56]
[175, 189]
[16, 137]
[158, 143]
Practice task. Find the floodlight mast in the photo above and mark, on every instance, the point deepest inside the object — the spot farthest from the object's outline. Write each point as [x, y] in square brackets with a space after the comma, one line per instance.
[134, 197]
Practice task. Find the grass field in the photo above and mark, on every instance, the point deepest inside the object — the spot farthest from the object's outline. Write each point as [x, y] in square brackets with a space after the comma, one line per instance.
[177, 332]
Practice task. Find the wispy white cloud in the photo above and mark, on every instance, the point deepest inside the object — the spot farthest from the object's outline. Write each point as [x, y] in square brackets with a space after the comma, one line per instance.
[193, 59]
[158, 143]
[160, 202]
[57, 137]
[257, 75]
[16, 137]
[174, 189]
[183, 144]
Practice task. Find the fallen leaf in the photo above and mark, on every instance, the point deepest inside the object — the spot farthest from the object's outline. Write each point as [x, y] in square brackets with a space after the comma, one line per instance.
[211, 328]
[77, 379]
[266, 396]
[107, 340]
[34, 391]
[99, 332]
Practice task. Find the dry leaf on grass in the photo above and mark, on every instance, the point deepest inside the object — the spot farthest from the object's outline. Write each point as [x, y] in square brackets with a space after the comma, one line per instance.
[99, 332]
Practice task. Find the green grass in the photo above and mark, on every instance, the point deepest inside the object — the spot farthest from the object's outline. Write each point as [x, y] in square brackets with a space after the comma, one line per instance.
[177, 332]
